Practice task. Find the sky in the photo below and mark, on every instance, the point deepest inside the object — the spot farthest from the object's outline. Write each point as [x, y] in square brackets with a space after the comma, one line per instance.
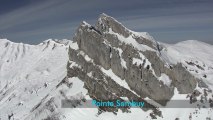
[169, 21]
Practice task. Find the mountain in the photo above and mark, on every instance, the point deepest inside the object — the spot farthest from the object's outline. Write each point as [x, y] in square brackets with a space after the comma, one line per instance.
[106, 62]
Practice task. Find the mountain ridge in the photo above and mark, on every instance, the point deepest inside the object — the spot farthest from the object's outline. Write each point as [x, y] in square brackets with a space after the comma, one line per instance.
[115, 40]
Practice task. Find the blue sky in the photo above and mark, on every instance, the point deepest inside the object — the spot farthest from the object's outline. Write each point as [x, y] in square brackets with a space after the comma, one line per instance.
[170, 21]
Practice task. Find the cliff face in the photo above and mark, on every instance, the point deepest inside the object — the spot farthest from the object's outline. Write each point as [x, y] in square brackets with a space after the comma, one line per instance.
[116, 62]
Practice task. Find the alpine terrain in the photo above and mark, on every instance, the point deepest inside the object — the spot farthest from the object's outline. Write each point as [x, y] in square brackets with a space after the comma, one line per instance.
[106, 62]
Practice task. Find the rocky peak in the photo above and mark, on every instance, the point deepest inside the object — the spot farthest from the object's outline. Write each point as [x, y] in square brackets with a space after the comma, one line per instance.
[116, 62]
[106, 23]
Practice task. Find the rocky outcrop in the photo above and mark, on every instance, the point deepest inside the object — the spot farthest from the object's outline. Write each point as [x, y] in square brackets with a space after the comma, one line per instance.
[133, 59]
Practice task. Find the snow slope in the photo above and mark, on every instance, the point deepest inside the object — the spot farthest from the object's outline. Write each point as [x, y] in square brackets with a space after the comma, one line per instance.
[195, 55]
[28, 73]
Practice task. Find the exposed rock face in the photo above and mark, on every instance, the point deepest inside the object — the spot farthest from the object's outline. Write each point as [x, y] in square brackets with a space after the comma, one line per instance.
[87, 41]
[132, 57]
[106, 22]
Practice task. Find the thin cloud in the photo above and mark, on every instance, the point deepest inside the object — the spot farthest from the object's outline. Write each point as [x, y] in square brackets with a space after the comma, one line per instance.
[54, 18]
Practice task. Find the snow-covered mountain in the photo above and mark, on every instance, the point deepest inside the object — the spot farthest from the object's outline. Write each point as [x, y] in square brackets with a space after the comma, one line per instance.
[104, 62]
[28, 74]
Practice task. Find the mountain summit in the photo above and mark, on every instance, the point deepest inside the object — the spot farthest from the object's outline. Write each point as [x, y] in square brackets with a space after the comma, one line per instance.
[105, 62]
